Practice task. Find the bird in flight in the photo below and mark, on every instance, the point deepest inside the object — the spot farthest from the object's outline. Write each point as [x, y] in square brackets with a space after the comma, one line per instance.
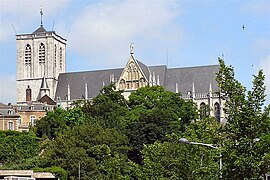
[243, 27]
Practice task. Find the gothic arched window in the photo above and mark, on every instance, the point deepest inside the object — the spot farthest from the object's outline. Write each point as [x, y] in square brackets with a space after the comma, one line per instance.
[28, 94]
[41, 53]
[142, 82]
[217, 111]
[27, 60]
[122, 84]
[203, 110]
[27, 55]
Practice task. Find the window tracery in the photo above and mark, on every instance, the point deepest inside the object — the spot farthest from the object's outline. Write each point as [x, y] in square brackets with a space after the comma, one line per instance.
[203, 110]
[28, 60]
[41, 53]
[217, 111]
[27, 55]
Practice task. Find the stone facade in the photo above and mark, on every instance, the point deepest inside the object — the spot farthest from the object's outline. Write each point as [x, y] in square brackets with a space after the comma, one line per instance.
[30, 113]
[41, 54]
[8, 118]
[21, 117]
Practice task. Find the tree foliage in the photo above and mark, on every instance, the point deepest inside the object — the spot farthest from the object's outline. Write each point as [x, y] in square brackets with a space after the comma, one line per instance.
[15, 147]
[108, 108]
[89, 145]
[247, 133]
[58, 121]
[154, 113]
[173, 160]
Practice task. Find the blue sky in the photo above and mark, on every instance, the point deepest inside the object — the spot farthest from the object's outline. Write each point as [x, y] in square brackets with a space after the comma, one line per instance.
[192, 32]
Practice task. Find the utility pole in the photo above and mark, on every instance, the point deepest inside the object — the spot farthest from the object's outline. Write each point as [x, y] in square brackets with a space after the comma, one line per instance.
[79, 170]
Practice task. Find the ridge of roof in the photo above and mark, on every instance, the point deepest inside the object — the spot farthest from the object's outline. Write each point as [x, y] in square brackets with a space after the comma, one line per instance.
[193, 67]
[157, 66]
[77, 72]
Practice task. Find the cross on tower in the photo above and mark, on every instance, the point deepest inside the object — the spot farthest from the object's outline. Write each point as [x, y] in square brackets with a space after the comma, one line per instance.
[41, 13]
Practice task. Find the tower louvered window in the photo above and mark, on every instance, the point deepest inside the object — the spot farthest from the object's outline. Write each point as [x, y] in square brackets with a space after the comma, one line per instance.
[27, 55]
[55, 55]
[61, 58]
[41, 53]
[55, 60]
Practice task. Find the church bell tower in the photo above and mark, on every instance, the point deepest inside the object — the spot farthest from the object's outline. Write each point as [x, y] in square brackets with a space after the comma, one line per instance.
[41, 56]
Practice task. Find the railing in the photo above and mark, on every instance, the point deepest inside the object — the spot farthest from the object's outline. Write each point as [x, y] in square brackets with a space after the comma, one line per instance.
[199, 96]
[186, 96]
[24, 125]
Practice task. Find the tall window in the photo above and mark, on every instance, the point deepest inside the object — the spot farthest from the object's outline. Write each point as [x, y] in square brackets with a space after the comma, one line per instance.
[10, 126]
[27, 55]
[203, 110]
[122, 84]
[33, 120]
[28, 94]
[20, 120]
[55, 59]
[217, 111]
[142, 81]
[61, 58]
[41, 59]
[41, 53]
[27, 60]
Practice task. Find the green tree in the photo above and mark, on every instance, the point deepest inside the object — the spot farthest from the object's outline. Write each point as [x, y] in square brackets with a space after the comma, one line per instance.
[16, 147]
[51, 124]
[155, 112]
[94, 147]
[108, 108]
[247, 133]
[58, 121]
[173, 160]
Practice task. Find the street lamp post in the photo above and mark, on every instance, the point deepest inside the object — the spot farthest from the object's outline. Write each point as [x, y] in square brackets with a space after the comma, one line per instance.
[185, 141]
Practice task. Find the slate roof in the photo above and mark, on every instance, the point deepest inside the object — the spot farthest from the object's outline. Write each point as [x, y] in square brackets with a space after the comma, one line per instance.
[77, 80]
[40, 30]
[8, 112]
[159, 71]
[202, 76]
[144, 69]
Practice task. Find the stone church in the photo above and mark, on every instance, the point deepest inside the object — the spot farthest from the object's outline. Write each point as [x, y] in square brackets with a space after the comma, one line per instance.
[42, 76]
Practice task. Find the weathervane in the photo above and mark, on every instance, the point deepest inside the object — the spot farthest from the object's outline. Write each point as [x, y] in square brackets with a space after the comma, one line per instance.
[41, 13]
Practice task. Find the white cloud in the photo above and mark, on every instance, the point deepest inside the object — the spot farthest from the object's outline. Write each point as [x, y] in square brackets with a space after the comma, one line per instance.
[258, 7]
[22, 14]
[8, 89]
[107, 28]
